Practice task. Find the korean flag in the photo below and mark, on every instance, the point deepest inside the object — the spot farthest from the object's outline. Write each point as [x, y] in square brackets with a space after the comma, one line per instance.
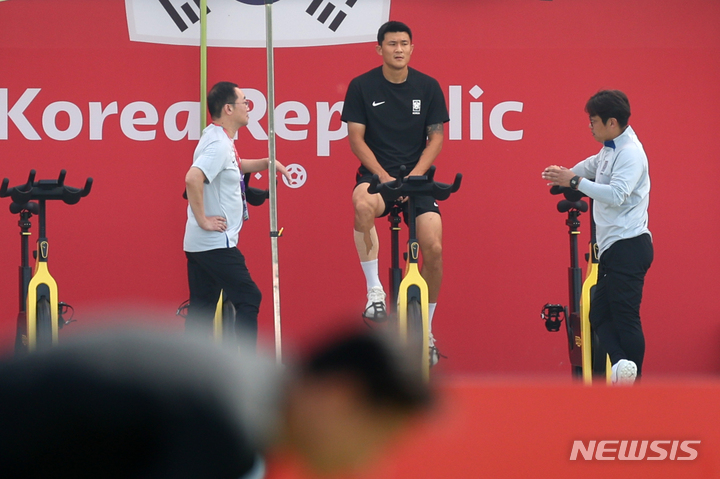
[241, 23]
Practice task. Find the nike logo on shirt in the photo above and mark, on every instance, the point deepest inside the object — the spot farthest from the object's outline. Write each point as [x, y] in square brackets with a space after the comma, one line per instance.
[377, 103]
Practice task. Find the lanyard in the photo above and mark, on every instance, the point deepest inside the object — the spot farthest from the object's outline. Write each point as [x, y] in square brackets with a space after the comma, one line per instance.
[246, 213]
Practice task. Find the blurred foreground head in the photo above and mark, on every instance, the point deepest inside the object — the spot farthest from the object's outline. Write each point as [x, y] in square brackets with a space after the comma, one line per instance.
[350, 398]
[142, 405]
[122, 405]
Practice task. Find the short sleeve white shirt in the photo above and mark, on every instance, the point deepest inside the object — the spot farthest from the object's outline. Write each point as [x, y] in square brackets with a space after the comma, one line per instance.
[222, 192]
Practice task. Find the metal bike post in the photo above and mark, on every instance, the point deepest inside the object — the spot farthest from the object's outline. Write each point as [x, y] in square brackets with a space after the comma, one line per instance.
[25, 274]
[271, 180]
[574, 272]
[573, 320]
[395, 271]
[25, 270]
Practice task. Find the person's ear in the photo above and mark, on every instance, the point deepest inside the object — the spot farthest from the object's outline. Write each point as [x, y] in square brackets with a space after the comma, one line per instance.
[378, 49]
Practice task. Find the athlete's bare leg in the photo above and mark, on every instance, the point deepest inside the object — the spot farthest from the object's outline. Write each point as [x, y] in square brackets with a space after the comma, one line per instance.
[367, 208]
[429, 233]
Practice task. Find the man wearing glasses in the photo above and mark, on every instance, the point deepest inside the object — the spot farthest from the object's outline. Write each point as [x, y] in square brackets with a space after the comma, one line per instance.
[216, 211]
[617, 178]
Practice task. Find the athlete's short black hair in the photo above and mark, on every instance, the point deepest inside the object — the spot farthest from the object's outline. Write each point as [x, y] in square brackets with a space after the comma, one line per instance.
[220, 94]
[392, 27]
[609, 104]
[385, 374]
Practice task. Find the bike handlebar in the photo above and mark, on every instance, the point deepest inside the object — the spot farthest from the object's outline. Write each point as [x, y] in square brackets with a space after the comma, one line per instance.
[414, 186]
[45, 190]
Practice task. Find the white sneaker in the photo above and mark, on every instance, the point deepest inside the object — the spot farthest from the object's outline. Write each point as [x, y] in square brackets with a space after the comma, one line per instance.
[375, 307]
[624, 372]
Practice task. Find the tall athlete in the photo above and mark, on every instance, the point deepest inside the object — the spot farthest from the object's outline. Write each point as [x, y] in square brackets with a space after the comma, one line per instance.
[395, 117]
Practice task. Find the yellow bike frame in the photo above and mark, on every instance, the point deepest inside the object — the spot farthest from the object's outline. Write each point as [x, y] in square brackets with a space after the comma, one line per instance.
[414, 278]
[585, 329]
[41, 277]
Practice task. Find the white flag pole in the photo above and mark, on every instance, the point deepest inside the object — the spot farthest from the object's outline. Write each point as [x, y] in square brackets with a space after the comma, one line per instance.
[274, 233]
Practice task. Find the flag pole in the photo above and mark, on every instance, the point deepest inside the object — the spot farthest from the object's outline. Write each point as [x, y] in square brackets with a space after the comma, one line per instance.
[203, 64]
[274, 234]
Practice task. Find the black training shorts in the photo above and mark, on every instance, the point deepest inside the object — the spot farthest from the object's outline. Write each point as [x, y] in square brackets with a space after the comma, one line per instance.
[423, 204]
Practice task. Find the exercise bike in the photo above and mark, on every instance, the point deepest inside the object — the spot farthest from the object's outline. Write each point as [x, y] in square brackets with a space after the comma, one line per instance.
[409, 294]
[41, 315]
[587, 358]
[224, 319]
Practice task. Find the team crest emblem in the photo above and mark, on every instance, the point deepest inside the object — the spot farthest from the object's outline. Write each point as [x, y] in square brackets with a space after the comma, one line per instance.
[416, 107]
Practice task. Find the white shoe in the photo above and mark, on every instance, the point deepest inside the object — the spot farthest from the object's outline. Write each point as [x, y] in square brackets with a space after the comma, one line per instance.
[624, 372]
[375, 307]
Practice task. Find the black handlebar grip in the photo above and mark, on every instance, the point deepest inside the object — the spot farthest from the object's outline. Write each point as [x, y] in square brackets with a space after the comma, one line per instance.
[71, 195]
[374, 183]
[88, 187]
[61, 178]
[430, 173]
[4, 188]
[456, 183]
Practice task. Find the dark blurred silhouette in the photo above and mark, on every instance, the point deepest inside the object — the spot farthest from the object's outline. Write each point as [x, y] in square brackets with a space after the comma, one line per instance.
[145, 405]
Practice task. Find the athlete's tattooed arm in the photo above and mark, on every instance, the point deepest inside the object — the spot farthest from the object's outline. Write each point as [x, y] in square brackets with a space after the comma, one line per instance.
[434, 128]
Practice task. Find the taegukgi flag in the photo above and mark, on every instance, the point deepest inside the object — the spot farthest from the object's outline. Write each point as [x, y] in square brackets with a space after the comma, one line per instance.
[241, 23]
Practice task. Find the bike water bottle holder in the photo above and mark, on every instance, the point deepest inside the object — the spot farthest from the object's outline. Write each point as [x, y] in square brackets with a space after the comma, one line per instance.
[63, 309]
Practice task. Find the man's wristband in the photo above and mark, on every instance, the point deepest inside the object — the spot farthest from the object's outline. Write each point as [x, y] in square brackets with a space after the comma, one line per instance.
[574, 182]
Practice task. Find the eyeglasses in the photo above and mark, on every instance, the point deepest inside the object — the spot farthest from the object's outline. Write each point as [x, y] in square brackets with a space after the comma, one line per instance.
[246, 102]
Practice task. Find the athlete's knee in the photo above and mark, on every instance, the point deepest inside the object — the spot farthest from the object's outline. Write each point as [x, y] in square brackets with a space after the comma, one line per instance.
[367, 206]
[365, 215]
[432, 251]
[364, 209]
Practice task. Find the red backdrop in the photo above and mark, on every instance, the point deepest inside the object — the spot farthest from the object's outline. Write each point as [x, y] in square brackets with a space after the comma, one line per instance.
[507, 429]
[506, 249]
